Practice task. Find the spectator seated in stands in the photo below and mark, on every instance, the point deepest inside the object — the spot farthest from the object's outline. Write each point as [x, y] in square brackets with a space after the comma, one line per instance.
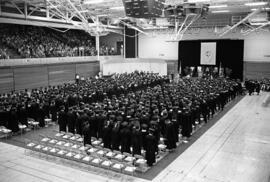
[3, 54]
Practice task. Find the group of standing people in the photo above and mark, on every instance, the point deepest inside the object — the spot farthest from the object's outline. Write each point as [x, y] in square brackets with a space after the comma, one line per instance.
[253, 86]
[129, 112]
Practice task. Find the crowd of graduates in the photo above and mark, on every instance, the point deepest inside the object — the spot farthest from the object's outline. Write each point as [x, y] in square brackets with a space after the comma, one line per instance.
[253, 86]
[265, 84]
[129, 112]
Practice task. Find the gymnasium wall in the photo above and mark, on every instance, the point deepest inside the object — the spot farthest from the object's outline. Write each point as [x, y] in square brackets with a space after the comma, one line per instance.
[40, 75]
[158, 44]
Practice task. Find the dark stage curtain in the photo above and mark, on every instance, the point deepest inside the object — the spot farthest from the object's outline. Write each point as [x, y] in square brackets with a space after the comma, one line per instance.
[131, 45]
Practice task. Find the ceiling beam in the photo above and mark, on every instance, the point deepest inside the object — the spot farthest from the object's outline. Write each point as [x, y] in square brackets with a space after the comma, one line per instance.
[240, 22]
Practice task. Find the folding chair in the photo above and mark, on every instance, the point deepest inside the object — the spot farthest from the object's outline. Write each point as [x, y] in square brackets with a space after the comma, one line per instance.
[96, 160]
[61, 153]
[140, 163]
[129, 169]
[118, 155]
[47, 121]
[92, 150]
[129, 158]
[86, 159]
[78, 157]
[101, 152]
[109, 153]
[60, 134]
[162, 147]
[6, 132]
[117, 166]
[106, 163]
[22, 128]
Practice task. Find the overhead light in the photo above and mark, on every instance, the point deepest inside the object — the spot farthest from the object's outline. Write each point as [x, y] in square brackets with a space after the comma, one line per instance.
[84, 11]
[197, 1]
[219, 6]
[93, 1]
[103, 15]
[256, 4]
[221, 11]
[118, 8]
[254, 9]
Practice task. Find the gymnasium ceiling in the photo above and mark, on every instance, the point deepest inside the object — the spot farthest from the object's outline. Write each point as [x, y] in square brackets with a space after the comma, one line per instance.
[114, 8]
[109, 12]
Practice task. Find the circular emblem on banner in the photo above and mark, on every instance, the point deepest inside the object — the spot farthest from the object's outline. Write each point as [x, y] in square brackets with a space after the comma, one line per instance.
[208, 54]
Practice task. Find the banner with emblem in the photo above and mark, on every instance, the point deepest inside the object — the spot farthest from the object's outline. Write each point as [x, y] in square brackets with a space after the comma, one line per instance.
[208, 53]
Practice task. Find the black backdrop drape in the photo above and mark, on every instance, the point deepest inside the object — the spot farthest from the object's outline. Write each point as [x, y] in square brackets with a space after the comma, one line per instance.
[228, 52]
[131, 42]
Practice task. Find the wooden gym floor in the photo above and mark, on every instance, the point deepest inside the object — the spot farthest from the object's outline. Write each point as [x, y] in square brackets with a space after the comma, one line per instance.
[234, 149]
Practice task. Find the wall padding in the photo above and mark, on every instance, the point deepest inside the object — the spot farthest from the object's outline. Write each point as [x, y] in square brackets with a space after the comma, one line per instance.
[30, 77]
[6, 80]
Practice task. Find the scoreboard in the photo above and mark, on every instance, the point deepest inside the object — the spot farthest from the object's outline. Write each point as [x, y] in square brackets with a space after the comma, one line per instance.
[143, 8]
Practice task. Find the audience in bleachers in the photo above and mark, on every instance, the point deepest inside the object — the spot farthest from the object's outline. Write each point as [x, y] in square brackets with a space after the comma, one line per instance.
[126, 111]
[38, 42]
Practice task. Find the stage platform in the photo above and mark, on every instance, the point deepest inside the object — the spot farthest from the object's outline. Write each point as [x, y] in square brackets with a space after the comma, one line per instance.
[131, 65]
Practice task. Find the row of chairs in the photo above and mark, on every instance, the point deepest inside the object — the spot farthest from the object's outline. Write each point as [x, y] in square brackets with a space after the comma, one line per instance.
[95, 142]
[89, 155]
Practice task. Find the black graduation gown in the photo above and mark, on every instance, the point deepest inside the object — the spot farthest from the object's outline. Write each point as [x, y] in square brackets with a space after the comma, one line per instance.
[41, 117]
[79, 125]
[71, 120]
[170, 136]
[100, 120]
[53, 112]
[150, 149]
[94, 126]
[144, 134]
[107, 130]
[62, 121]
[136, 142]
[125, 139]
[3, 118]
[23, 116]
[86, 135]
[115, 138]
[13, 123]
[186, 125]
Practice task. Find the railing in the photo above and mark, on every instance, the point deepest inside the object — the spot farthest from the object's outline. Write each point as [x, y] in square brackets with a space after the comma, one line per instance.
[54, 60]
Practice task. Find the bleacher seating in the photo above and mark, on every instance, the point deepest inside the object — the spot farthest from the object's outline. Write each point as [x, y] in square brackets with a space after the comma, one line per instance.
[39, 42]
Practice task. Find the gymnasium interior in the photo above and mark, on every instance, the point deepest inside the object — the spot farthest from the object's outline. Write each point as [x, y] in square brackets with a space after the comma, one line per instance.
[135, 90]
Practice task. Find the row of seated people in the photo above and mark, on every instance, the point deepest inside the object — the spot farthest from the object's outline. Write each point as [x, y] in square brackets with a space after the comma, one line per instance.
[76, 38]
[36, 42]
[139, 117]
